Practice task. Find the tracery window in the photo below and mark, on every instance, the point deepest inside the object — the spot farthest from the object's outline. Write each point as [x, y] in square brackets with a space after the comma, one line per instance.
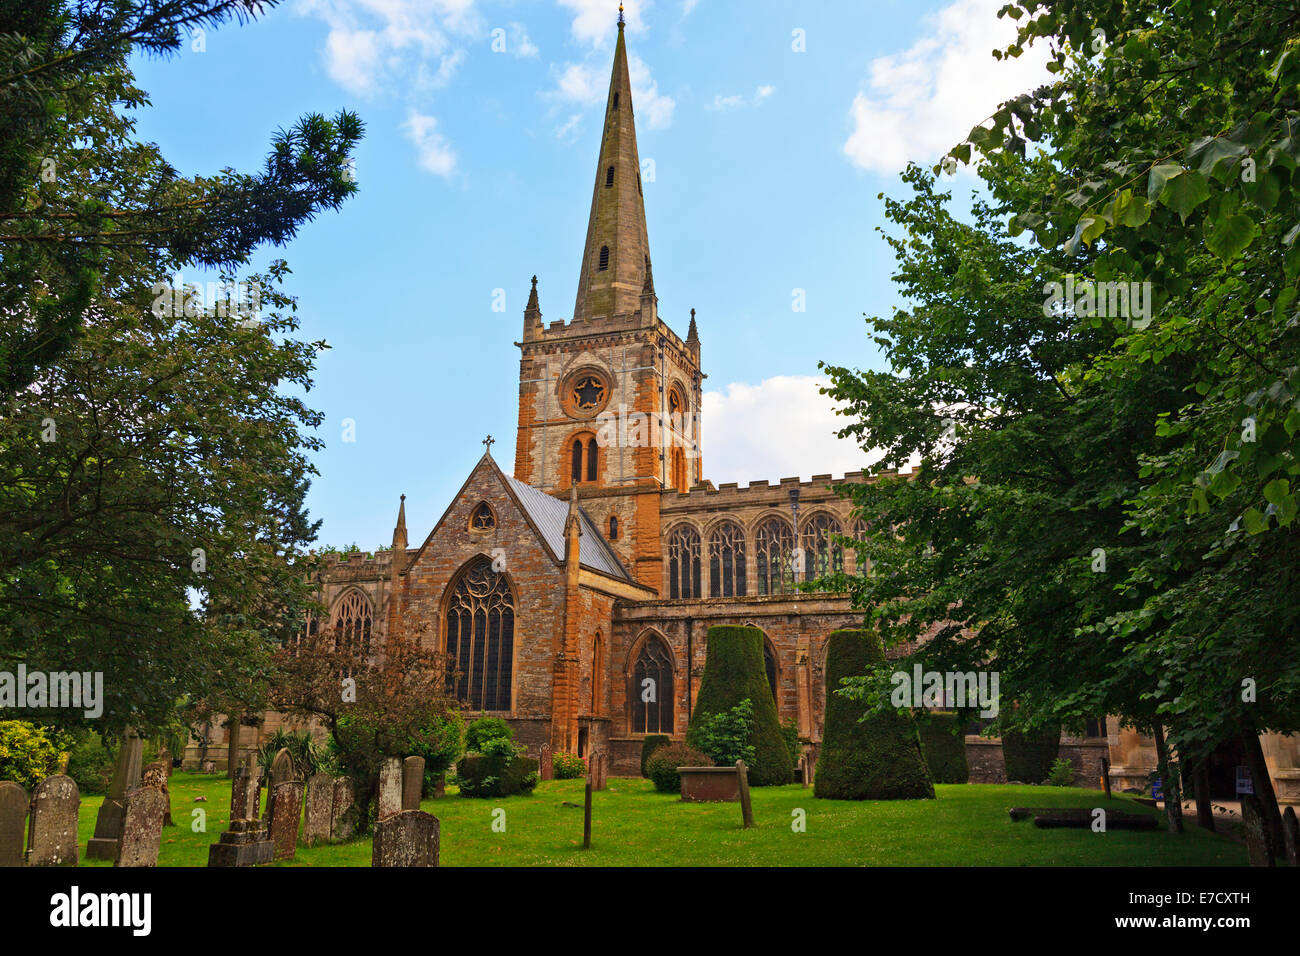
[352, 621]
[822, 553]
[652, 689]
[684, 563]
[860, 534]
[588, 393]
[773, 553]
[481, 637]
[483, 519]
[727, 561]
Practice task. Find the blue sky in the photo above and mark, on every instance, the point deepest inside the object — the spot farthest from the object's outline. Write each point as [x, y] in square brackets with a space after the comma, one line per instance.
[476, 172]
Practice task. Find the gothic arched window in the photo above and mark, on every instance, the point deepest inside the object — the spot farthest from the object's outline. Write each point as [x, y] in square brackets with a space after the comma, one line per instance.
[613, 527]
[727, 561]
[684, 563]
[577, 459]
[773, 549]
[860, 529]
[592, 454]
[652, 689]
[604, 259]
[482, 519]
[481, 637]
[615, 101]
[609, 177]
[822, 553]
[352, 620]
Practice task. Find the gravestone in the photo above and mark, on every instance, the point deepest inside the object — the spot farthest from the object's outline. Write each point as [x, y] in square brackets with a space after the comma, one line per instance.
[156, 775]
[286, 818]
[545, 765]
[112, 812]
[209, 766]
[146, 807]
[1255, 830]
[390, 787]
[52, 830]
[282, 771]
[440, 786]
[342, 826]
[246, 842]
[13, 823]
[1291, 835]
[407, 838]
[412, 782]
[320, 807]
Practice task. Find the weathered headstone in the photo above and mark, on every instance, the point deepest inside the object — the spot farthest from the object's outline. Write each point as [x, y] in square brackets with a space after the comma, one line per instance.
[1256, 831]
[545, 764]
[146, 807]
[342, 825]
[247, 842]
[412, 782]
[390, 787]
[13, 823]
[286, 818]
[112, 812]
[320, 807]
[52, 831]
[209, 766]
[1291, 835]
[407, 838]
[440, 787]
[156, 775]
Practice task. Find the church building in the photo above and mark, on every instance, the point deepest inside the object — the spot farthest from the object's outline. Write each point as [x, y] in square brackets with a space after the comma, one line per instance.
[573, 589]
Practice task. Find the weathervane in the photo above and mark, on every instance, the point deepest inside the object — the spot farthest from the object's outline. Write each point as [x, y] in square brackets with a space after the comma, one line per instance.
[620, 14]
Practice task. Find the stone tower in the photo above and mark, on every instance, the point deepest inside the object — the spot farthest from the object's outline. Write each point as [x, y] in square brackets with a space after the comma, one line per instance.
[610, 401]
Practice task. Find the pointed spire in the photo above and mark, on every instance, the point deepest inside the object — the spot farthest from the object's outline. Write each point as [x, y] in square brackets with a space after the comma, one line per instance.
[400, 530]
[616, 256]
[693, 334]
[532, 301]
[398, 558]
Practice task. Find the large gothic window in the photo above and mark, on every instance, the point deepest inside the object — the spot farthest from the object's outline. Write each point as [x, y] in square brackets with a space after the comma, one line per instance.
[774, 549]
[863, 564]
[481, 638]
[727, 561]
[684, 563]
[652, 689]
[352, 621]
[822, 553]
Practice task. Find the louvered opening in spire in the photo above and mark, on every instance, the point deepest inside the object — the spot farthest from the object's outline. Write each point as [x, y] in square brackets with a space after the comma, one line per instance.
[616, 256]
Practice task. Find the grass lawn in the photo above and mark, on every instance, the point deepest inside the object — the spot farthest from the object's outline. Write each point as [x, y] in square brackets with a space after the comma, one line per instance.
[634, 826]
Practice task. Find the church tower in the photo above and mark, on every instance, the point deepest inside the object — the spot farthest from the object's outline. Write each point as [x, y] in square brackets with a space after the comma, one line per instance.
[610, 401]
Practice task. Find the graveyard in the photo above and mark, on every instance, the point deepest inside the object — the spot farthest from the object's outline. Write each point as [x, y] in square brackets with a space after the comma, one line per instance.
[632, 825]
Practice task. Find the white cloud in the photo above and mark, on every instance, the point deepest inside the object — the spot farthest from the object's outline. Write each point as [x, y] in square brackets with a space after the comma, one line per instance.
[688, 6]
[587, 84]
[520, 45]
[377, 45]
[594, 21]
[646, 98]
[921, 102]
[780, 428]
[434, 152]
[722, 103]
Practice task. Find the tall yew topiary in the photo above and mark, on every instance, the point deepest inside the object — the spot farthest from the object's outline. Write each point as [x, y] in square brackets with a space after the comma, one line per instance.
[1028, 757]
[943, 741]
[733, 671]
[876, 759]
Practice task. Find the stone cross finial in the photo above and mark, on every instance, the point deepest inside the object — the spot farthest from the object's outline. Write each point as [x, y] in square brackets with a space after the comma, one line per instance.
[488, 442]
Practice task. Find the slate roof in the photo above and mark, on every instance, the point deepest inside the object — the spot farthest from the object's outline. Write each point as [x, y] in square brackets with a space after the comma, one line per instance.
[549, 514]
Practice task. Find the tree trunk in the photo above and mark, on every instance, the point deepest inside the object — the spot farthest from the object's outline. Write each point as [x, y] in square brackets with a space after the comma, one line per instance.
[1201, 787]
[1173, 796]
[1263, 786]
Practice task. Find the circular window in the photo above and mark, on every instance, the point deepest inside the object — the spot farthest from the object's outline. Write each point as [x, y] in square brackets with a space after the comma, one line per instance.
[585, 393]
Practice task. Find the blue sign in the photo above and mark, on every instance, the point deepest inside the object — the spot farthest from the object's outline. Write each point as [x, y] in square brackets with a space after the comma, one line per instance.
[1157, 789]
[1244, 783]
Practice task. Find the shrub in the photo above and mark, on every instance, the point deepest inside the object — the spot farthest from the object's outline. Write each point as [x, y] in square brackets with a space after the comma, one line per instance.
[567, 766]
[725, 737]
[1062, 773]
[441, 742]
[943, 741]
[28, 753]
[485, 729]
[662, 766]
[497, 771]
[790, 734]
[648, 746]
[878, 758]
[734, 671]
[308, 757]
[1028, 757]
[90, 764]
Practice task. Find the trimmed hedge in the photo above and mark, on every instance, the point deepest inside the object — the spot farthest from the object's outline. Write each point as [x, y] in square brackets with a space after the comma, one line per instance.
[648, 746]
[495, 776]
[1028, 758]
[734, 671]
[876, 759]
[663, 763]
[943, 741]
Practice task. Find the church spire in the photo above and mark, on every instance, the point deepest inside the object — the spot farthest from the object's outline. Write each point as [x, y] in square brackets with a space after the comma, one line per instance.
[616, 258]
